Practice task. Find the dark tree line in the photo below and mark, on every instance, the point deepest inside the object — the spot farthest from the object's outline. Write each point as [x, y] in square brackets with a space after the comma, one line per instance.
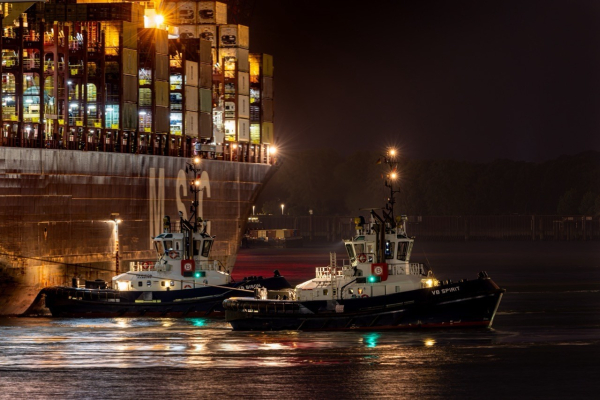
[330, 184]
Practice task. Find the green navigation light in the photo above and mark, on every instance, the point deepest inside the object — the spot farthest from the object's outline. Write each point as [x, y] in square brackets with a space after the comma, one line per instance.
[373, 279]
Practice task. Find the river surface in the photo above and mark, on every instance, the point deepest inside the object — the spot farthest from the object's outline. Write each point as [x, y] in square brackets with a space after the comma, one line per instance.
[545, 342]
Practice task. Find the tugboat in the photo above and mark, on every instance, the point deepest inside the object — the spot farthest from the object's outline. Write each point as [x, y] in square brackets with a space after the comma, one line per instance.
[183, 282]
[378, 288]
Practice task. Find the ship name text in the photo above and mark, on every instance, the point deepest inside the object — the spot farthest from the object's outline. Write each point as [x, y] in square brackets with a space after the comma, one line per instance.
[445, 290]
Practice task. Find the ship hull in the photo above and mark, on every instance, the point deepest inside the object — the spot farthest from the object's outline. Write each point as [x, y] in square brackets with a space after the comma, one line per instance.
[198, 302]
[57, 208]
[464, 304]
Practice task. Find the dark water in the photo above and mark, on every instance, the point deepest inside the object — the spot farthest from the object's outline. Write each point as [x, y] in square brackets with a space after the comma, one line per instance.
[545, 342]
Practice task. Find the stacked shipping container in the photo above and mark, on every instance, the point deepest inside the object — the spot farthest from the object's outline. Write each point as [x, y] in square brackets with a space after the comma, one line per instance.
[231, 80]
[261, 98]
[110, 79]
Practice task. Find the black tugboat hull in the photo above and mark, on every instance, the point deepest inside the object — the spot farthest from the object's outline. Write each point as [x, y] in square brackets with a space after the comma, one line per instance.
[106, 303]
[465, 304]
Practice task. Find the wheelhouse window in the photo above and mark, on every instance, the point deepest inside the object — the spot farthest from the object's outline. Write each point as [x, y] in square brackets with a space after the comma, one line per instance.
[404, 249]
[350, 251]
[389, 249]
[206, 247]
[159, 247]
[140, 283]
[359, 248]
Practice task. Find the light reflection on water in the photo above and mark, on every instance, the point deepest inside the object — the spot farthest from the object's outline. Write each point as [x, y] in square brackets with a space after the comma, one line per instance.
[145, 343]
[132, 358]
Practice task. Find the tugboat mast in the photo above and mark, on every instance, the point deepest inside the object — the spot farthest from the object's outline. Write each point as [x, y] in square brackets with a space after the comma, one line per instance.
[190, 226]
[390, 178]
[195, 169]
[386, 221]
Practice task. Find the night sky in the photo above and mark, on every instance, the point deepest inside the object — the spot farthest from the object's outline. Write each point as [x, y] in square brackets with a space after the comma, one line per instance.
[464, 80]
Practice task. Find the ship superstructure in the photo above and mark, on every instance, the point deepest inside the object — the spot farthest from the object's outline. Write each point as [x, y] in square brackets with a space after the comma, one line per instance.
[102, 105]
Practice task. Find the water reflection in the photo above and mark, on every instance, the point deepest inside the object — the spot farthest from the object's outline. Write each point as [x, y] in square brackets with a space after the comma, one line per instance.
[43, 353]
[125, 343]
[198, 322]
[370, 339]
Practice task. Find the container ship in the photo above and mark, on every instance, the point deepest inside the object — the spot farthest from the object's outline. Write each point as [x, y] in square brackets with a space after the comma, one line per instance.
[103, 104]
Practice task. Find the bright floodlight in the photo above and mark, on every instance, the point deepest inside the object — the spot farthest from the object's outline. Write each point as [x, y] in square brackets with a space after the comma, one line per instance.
[393, 175]
[159, 19]
[393, 152]
[196, 160]
[272, 150]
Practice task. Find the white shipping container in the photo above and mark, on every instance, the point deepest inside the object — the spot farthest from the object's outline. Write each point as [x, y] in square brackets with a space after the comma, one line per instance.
[191, 73]
[192, 125]
[208, 32]
[186, 12]
[191, 98]
[188, 32]
[243, 86]
[212, 12]
[234, 36]
[267, 87]
[243, 106]
[243, 130]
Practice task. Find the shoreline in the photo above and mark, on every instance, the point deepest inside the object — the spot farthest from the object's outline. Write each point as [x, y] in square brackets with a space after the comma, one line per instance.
[449, 260]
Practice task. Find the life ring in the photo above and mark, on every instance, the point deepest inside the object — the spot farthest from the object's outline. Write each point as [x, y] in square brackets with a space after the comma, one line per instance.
[145, 266]
[187, 287]
[173, 254]
[362, 257]
[364, 296]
